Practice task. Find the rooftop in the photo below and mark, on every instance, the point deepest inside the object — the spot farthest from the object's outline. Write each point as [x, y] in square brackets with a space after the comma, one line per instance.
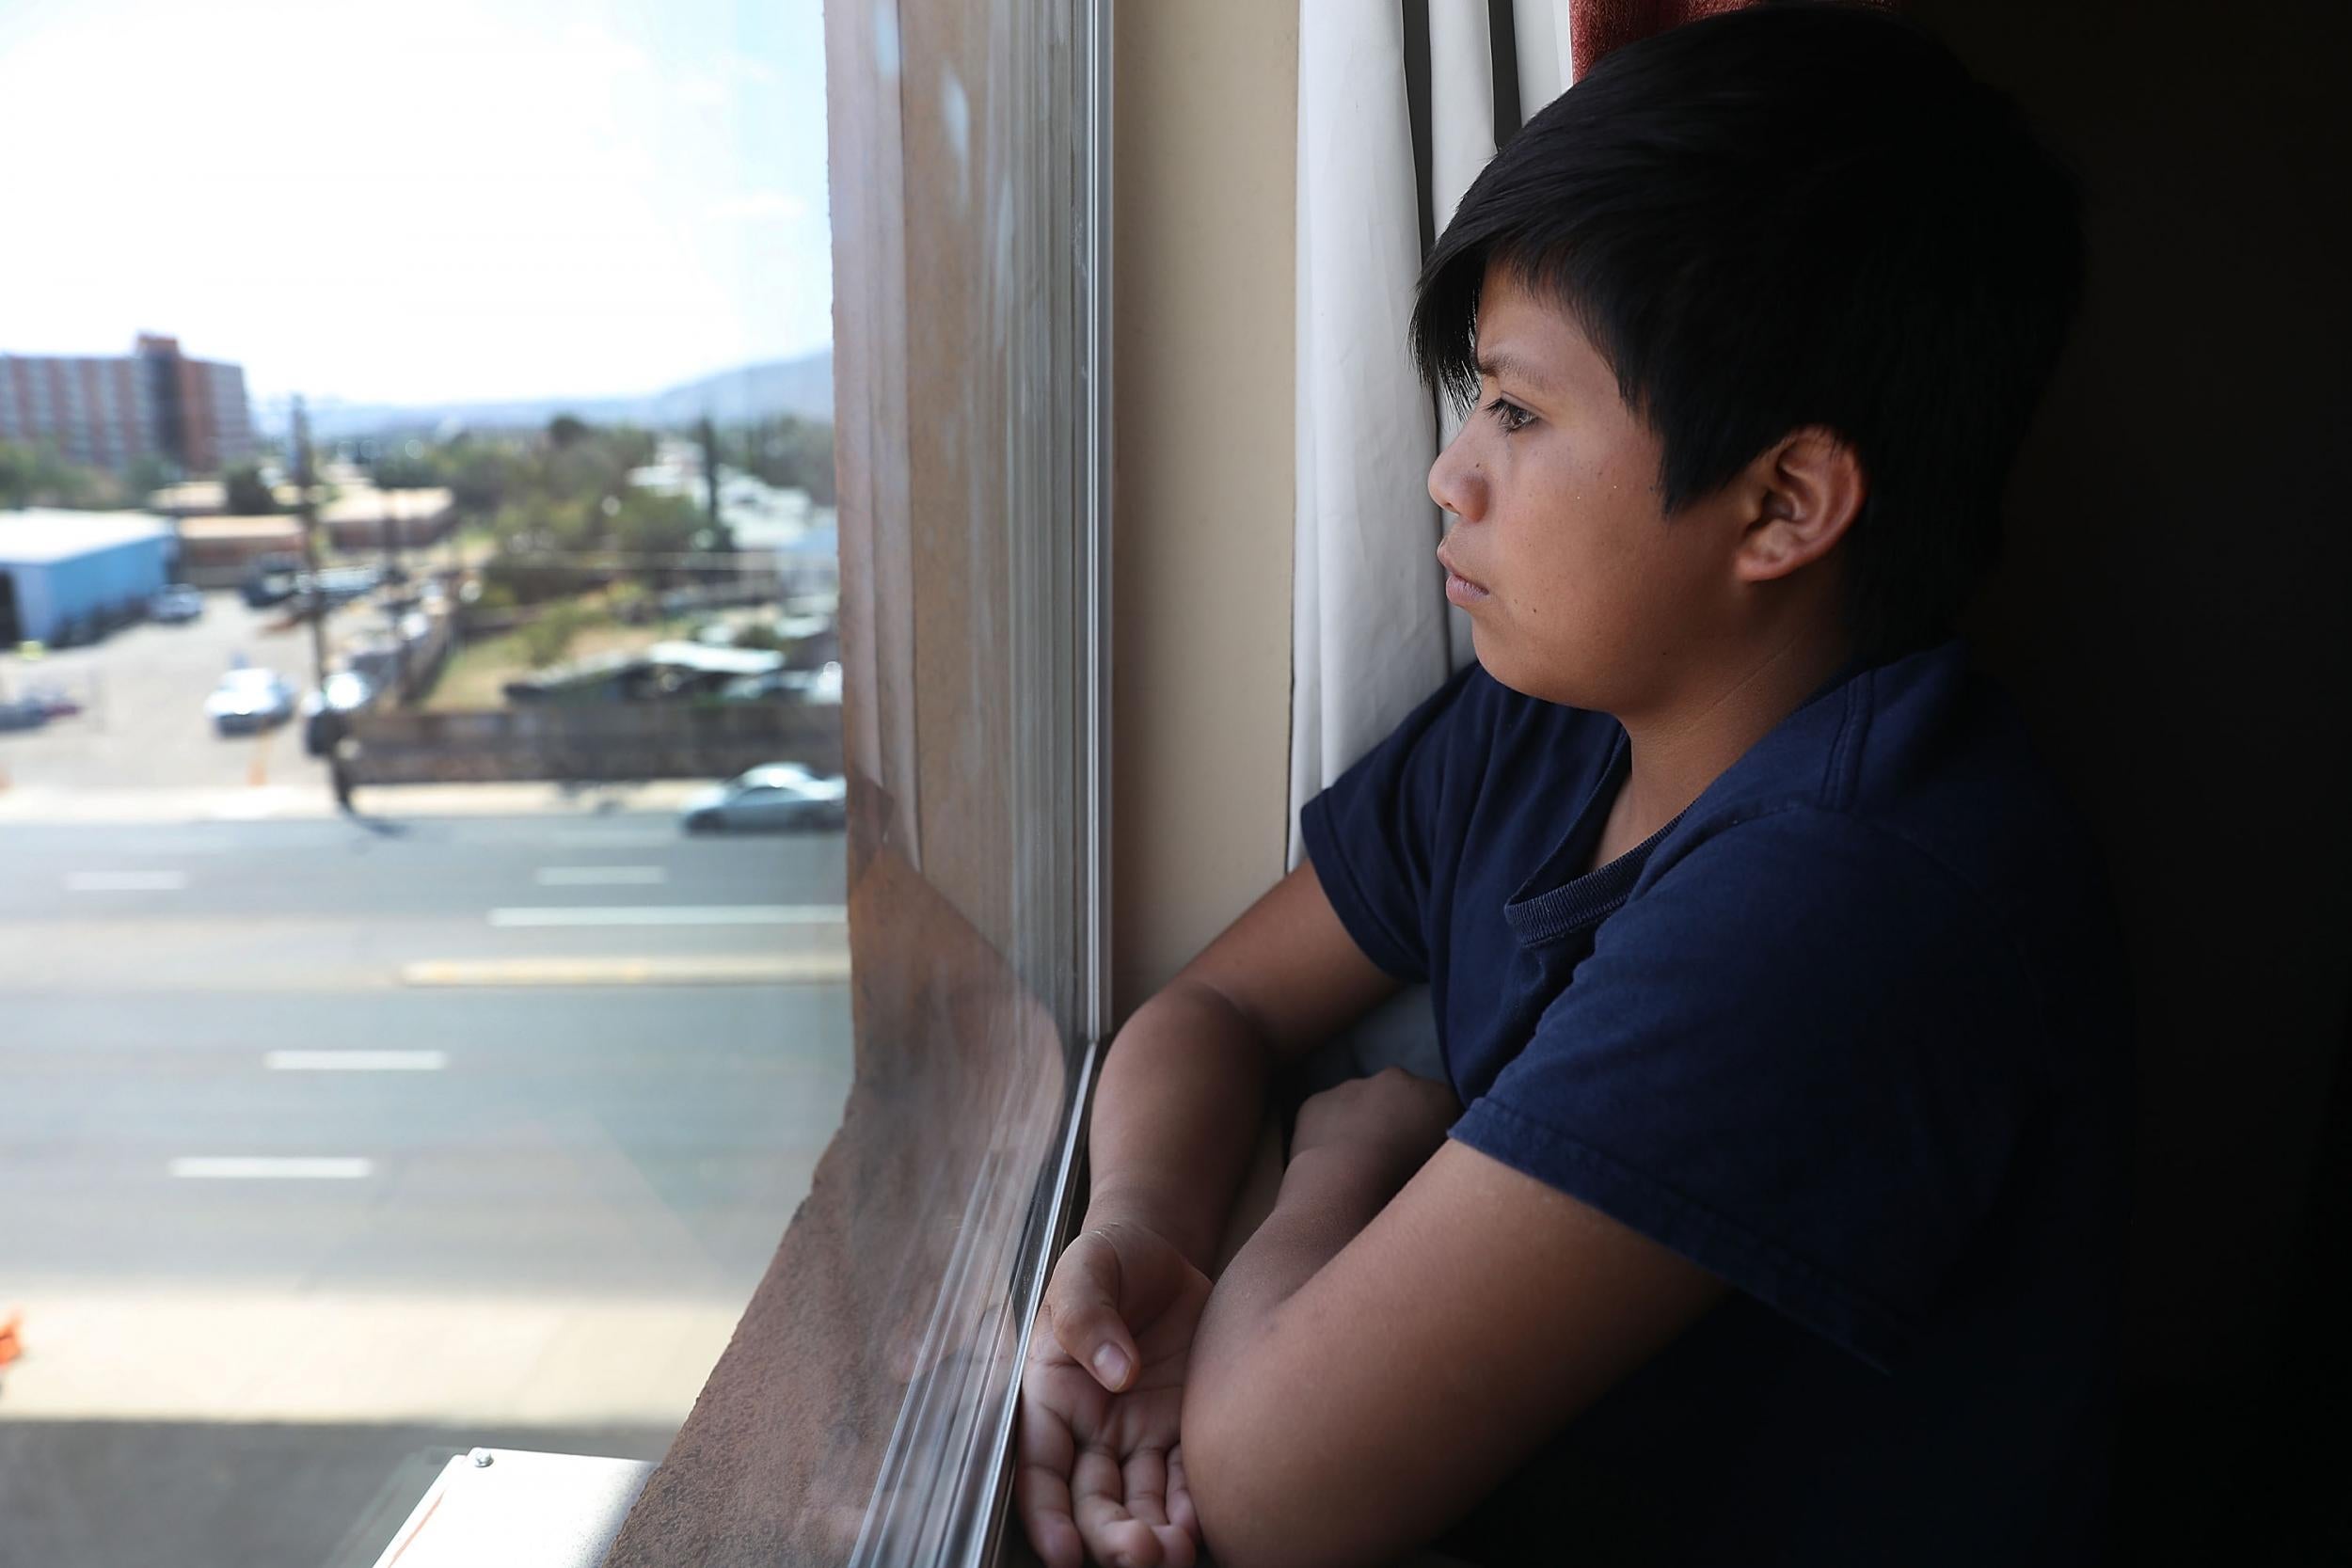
[367, 504]
[41, 534]
[195, 495]
[267, 524]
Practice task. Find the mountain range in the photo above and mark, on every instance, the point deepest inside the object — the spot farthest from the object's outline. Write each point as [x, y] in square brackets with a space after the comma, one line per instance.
[802, 388]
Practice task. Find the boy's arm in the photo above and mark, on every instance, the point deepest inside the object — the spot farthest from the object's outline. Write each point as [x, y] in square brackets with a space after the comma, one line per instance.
[1177, 1118]
[1375, 1361]
[1183, 1093]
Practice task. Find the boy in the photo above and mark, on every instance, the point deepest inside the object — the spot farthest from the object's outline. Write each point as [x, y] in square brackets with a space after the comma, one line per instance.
[1769, 1214]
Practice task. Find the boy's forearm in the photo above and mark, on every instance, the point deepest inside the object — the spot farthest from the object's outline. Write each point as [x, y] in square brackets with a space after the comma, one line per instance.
[1176, 1117]
[1327, 1199]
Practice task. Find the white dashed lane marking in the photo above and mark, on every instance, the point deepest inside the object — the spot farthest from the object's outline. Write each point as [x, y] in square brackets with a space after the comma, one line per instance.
[250, 1167]
[355, 1061]
[674, 915]
[600, 876]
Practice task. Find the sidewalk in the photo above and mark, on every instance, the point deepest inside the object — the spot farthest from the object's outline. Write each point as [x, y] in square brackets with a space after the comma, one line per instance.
[34, 803]
[181, 1354]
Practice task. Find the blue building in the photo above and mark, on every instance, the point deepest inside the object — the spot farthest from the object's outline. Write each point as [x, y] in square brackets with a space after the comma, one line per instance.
[67, 575]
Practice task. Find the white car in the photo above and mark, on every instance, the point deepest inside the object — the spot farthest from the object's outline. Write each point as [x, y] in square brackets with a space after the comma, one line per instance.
[248, 700]
[176, 604]
[777, 797]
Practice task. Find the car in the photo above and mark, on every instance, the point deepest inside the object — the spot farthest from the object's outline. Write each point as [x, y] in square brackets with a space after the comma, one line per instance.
[805, 686]
[271, 579]
[175, 603]
[23, 713]
[249, 699]
[778, 797]
[55, 702]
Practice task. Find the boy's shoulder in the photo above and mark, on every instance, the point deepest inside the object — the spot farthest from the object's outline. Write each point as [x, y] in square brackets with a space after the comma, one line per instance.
[1926, 755]
[1924, 760]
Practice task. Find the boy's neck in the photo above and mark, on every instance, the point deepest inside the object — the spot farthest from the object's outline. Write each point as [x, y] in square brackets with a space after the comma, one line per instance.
[1679, 747]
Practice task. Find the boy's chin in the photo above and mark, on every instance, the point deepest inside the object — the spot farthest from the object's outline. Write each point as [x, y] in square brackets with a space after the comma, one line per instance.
[1528, 678]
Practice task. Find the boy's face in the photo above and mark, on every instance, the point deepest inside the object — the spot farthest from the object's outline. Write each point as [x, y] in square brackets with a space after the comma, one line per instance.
[1579, 590]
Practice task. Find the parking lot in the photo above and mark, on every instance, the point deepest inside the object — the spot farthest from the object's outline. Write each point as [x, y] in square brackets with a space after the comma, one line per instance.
[142, 723]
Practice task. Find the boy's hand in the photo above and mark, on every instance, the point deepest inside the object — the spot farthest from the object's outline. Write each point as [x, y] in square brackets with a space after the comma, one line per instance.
[1101, 1468]
[1391, 1122]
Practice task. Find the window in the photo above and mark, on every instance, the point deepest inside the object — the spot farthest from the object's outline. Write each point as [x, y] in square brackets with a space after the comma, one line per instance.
[336, 1141]
[860, 1413]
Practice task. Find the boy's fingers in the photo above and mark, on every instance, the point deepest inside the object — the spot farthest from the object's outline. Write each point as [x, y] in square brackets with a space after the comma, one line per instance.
[1082, 1299]
[1179, 1510]
[1145, 1475]
[1177, 1546]
[1040, 1487]
[1099, 1504]
[1042, 1497]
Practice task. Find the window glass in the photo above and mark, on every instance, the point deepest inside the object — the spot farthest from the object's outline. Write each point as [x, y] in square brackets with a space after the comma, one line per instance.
[417, 495]
[861, 1411]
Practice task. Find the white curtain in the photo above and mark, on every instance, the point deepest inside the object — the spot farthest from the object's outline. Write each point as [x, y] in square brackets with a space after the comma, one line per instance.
[1372, 633]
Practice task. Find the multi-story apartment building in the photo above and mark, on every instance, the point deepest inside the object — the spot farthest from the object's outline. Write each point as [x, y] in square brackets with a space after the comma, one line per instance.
[109, 412]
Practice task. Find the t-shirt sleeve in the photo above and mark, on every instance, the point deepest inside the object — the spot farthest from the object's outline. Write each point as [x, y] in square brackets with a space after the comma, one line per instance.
[1373, 834]
[1800, 1058]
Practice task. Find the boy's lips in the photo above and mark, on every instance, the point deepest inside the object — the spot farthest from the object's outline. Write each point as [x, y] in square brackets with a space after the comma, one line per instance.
[1459, 589]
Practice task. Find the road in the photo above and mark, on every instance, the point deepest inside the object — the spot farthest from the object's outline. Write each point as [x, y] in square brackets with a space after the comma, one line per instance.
[336, 1145]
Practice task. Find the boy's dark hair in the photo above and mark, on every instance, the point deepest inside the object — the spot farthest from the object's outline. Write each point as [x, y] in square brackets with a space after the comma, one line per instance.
[1795, 214]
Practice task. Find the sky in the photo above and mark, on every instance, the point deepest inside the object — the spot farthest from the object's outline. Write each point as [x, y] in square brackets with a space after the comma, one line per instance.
[421, 200]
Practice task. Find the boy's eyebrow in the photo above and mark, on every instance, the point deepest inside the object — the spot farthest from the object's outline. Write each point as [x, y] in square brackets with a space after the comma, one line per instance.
[1501, 363]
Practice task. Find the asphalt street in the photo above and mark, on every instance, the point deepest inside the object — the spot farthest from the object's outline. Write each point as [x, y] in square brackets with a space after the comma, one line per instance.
[355, 1138]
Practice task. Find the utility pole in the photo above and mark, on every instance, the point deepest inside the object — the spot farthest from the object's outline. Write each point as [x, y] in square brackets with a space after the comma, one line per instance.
[385, 464]
[709, 436]
[308, 507]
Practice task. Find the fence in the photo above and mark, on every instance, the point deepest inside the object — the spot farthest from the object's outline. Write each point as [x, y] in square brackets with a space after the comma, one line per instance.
[592, 742]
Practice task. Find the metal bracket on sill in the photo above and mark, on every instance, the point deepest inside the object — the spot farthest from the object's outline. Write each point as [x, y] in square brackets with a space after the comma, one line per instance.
[509, 1507]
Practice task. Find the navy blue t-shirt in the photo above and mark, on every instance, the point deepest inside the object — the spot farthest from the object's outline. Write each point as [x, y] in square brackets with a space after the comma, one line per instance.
[1853, 1034]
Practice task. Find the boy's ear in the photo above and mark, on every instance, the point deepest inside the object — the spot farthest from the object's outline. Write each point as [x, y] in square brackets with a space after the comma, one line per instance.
[1806, 490]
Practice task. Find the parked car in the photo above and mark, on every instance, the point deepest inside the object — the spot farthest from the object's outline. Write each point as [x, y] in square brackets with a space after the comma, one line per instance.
[779, 796]
[175, 603]
[807, 685]
[55, 702]
[248, 700]
[271, 579]
[346, 692]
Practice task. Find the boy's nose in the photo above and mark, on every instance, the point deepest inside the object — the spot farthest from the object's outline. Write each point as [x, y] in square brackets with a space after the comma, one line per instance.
[1457, 484]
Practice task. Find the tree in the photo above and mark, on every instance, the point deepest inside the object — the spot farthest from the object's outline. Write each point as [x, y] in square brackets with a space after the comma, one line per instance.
[248, 495]
[396, 469]
[36, 475]
[789, 453]
[148, 474]
[661, 526]
[16, 475]
[480, 478]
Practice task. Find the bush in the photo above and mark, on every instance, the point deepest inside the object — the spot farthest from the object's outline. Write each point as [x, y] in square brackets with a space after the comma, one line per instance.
[548, 638]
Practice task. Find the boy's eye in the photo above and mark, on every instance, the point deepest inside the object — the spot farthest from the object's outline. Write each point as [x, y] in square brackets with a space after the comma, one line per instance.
[1509, 415]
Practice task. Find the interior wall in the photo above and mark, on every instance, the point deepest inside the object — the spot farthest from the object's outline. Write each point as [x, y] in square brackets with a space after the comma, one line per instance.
[2171, 608]
[1204, 139]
